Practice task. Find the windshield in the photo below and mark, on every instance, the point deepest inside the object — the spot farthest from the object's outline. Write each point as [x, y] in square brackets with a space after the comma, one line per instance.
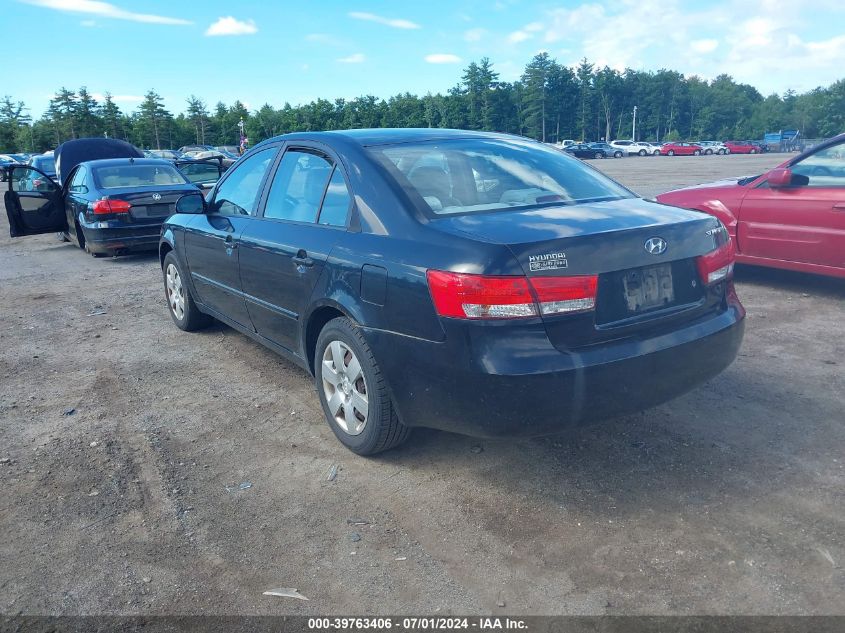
[473, 175]
[137, 176]
[47, 165]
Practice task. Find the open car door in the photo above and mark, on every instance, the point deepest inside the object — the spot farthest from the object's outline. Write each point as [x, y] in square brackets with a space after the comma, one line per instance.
[33, 202]
[203, 173]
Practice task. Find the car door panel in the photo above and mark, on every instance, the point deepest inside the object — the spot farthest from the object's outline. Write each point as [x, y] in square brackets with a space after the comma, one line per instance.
[280, 264]
[33, 212]
[796, 224]
[212, 251]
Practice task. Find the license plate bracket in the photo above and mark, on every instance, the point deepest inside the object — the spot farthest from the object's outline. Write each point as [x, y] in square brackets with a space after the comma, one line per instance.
[648, 288]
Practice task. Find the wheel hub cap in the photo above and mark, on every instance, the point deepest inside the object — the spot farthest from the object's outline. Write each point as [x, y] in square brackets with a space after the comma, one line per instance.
[344, 387]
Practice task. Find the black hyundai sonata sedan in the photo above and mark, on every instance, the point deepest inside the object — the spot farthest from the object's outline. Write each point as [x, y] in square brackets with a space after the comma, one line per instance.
[474, 282]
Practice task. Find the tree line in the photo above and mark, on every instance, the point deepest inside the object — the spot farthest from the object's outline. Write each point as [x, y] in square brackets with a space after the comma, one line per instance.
[549, 102]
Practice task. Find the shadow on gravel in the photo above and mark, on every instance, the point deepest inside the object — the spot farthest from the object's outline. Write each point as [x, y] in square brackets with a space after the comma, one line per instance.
[791, 281]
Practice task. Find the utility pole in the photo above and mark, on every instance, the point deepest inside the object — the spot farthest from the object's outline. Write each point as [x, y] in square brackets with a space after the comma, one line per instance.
[634, 131]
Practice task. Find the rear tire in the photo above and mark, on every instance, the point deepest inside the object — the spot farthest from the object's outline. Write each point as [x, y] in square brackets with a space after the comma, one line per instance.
[347, 375]
[753, 151]
[707, 152]
[617, 154]
[62, 236]
[642, 152]
[180, 303]
[599, 155]
[671, 152]
[697, 153]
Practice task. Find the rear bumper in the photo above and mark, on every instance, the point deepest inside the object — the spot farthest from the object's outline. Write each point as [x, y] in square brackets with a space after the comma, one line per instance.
[116, 236]
[489, 387]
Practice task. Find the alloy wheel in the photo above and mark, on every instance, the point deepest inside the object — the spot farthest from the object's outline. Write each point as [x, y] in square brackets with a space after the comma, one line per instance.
[175, 292]
[344, 387]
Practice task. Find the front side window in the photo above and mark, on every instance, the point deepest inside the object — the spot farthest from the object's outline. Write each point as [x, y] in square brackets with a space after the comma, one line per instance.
[298, 186]
[472, 175]
[28, 179]
[825, 168]
[239, 193]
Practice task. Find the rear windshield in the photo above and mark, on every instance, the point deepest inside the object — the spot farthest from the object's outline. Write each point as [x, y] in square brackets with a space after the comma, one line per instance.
[45, 164]
[475, 175]
[137, 176]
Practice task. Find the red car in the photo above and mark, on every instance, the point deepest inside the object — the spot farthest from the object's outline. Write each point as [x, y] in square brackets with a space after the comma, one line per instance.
[791, 217]
[742, 147]
[681, 149]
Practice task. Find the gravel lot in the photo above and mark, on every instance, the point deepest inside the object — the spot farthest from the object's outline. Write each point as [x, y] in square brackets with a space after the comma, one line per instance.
[146, 470]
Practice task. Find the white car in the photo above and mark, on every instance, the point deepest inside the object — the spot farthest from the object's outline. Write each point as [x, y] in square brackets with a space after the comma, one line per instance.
[713, 147]
[633, 148]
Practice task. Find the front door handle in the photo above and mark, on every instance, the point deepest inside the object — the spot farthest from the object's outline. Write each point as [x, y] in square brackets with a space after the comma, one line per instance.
[839, 206]
[229, 243]
[301, 259]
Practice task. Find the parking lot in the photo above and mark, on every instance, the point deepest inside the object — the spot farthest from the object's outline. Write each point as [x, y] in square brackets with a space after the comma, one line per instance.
[147, 470]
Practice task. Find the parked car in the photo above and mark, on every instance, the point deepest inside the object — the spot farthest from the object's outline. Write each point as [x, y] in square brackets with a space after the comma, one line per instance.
[195, 148]
[582, 150]
[713, 147]
[791, 217]
[232, 150]
[742, 147]
[680, 149]
[35, 180]
[167, 154]
[607, 150]
[476, 282]
[633, 148]
[106, 206]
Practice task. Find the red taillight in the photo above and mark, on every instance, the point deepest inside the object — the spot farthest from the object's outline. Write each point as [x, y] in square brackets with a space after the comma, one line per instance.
[717, 265]
[558, 295]
[37, 183]
[108, 207]
[465, 296]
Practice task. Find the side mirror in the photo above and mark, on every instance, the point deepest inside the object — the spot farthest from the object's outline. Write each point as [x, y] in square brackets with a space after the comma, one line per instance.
[780, 177]
[191, 203]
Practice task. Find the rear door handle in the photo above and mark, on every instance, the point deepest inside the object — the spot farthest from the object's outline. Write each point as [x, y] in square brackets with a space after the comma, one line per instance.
[839, 206]
[301, 259]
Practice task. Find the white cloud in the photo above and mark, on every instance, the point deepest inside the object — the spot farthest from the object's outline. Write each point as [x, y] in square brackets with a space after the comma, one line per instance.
[104, 10]
[231, 26]
[442, 58]
[533, 27]
[519, 36]
[356, 58]
[704, 46]
[88, 23]
[474, 35]
[396, 23]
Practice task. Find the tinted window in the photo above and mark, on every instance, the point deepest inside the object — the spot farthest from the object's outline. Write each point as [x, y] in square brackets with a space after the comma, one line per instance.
[130, 175]
[47, 165]
[336, 202]
[298, 187]
[825, 168]
[201, 173]
[27, 179]
[238, 194]
[78, 180]
[465, 175]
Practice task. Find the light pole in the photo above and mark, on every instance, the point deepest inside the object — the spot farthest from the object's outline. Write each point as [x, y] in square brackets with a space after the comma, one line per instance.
[634, 131]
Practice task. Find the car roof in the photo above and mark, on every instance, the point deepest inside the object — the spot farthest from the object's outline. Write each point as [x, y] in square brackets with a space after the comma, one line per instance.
[389, 136]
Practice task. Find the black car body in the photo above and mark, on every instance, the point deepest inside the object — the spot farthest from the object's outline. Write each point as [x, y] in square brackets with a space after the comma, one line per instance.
[107, 206]
[607, 149]
[584, 150]
[472, 282]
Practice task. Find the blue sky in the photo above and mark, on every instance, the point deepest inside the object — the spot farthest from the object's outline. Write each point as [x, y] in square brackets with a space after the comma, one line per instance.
[276, 50]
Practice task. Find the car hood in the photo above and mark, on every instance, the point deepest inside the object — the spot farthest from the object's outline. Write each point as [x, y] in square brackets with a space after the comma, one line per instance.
[717, 184]
[70, 153]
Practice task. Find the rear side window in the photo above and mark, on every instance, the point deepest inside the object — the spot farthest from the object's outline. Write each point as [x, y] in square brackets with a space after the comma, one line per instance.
[298, 186]
[336, 201]
[238, 194]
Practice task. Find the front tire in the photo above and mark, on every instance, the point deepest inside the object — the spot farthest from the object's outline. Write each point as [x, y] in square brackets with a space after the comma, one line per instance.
[671, 152]
[753, 151]
[617, 155]
[353, 391]
[697, 153]
[642, 152]
[180, 303]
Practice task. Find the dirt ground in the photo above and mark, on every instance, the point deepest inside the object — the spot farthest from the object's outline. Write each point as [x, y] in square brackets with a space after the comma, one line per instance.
[147, 470]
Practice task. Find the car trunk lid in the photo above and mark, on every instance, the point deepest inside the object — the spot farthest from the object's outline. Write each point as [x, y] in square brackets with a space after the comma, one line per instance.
[150, 205]
[639, 285]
